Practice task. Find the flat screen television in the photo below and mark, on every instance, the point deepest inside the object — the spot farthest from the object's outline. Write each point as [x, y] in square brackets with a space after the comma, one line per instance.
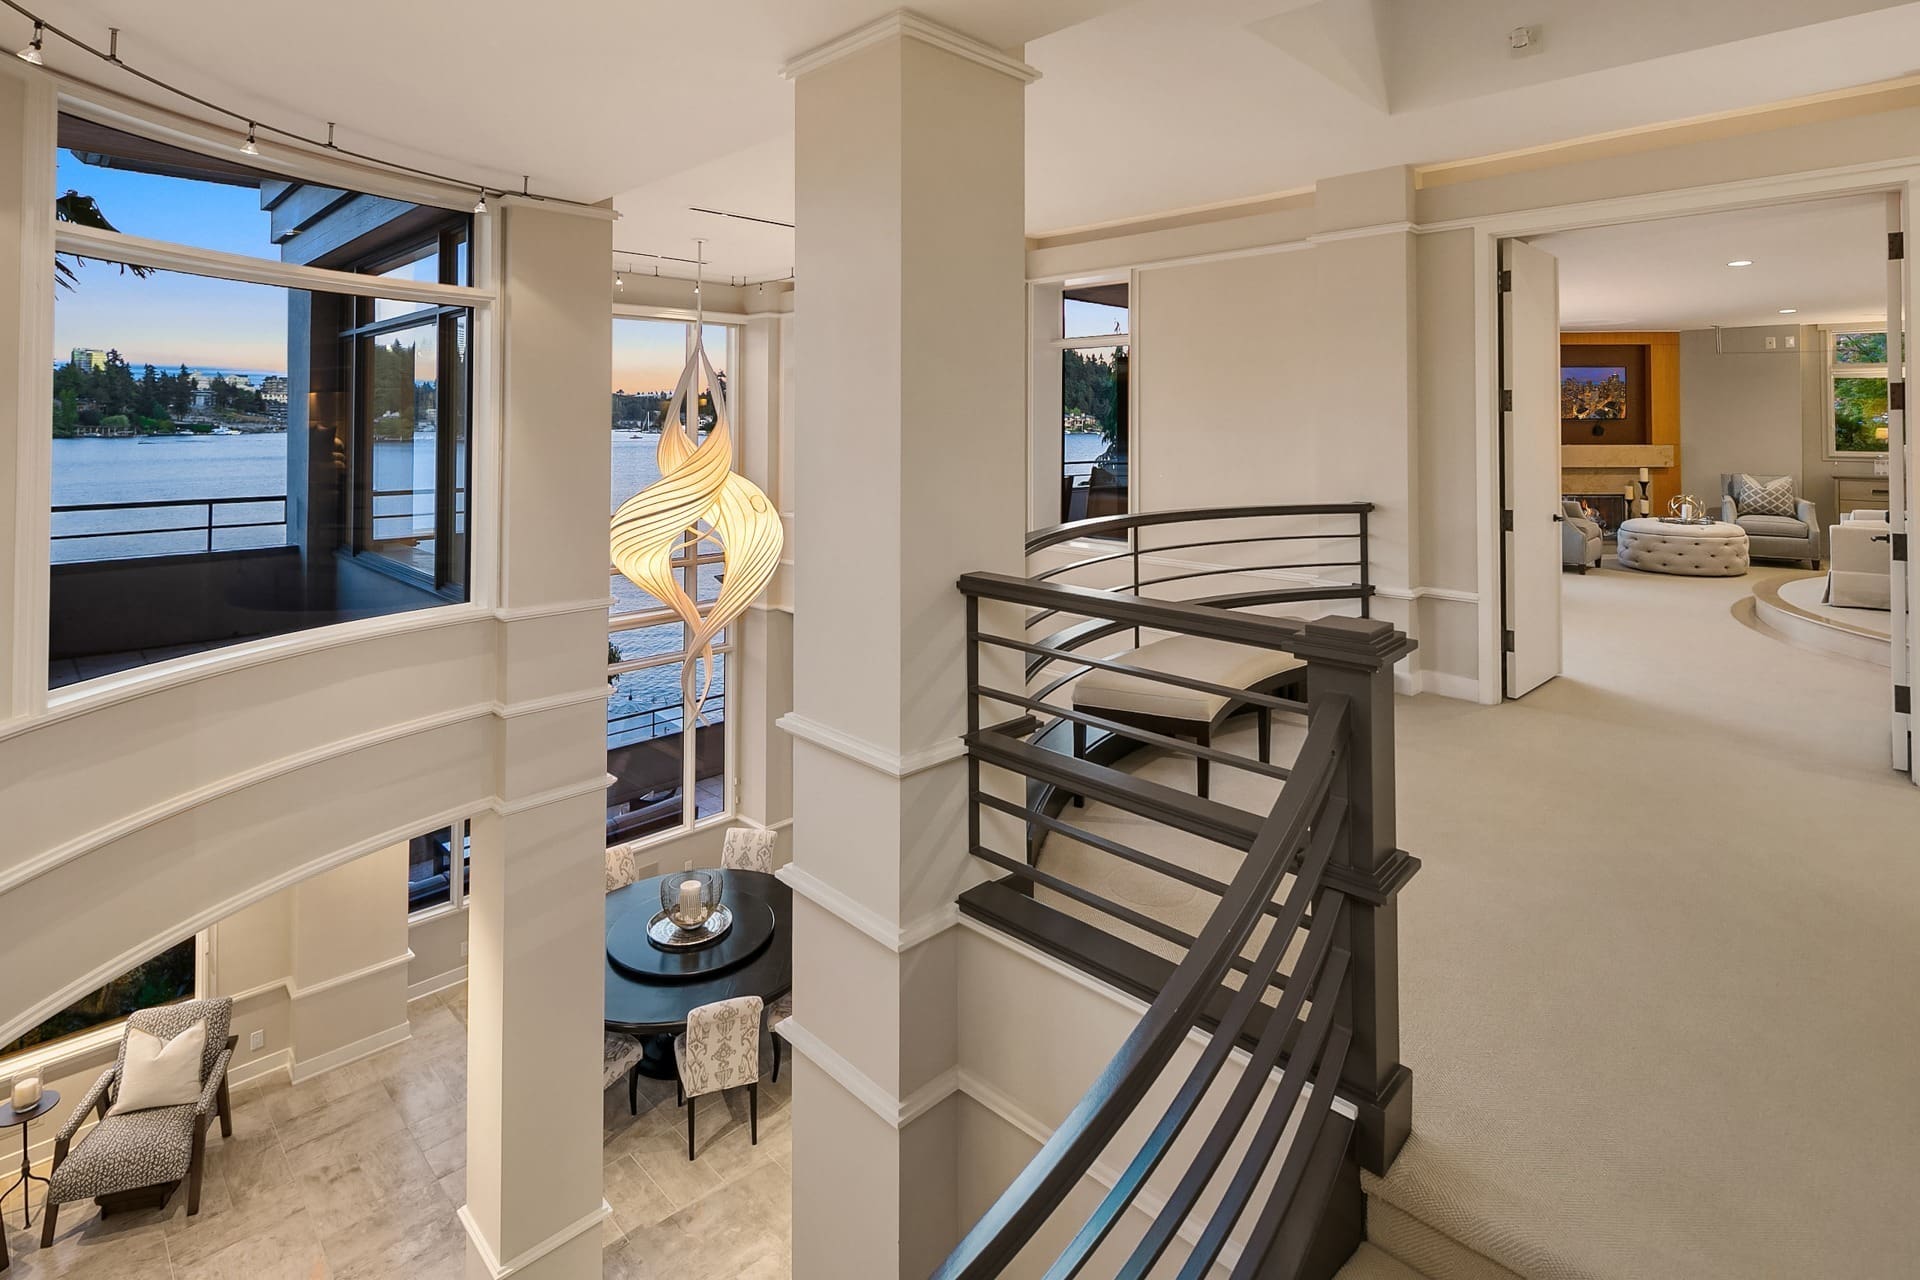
[1593, 393]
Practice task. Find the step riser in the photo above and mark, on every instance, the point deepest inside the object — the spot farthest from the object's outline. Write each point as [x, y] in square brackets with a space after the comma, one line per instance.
[1425, 1250]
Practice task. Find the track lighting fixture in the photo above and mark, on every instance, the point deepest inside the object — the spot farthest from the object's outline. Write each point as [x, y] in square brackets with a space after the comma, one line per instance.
[480, 205]
[31, 53]
[620, 280]
[252, 147]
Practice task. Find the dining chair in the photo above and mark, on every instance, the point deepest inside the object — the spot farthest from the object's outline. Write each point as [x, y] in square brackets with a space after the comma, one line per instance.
[779, 1011]
[621, 1055]
[748, 849]
[621, 870]
[720, 1050]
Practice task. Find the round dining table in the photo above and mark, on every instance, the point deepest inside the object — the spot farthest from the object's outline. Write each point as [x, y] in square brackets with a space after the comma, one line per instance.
[650, 990]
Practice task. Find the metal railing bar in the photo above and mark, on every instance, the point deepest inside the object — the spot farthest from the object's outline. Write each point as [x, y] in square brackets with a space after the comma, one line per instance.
[1180, 745]
[1039, 1189]
[1293, 1167]
[1239, 569]
[164, 502]
[137, 533]
[1235, 692]
[1327, 960]
[1215, 1055]
[1207, 819]
[1040, 539]
[1126, 853]
[1198, 617]
[1235, 542]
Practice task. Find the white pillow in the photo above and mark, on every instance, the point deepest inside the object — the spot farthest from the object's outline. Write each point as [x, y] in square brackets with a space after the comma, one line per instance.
[160, 1073]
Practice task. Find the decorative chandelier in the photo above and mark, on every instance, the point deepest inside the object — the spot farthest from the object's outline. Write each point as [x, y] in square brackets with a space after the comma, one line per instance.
[699, 498]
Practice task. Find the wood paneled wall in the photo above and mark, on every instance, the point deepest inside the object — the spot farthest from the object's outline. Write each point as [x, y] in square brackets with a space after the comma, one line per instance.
[1663, 404]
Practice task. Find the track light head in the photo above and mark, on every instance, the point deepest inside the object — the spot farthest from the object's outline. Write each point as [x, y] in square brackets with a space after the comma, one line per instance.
[252, 147]
[31, 54]
[480, 205]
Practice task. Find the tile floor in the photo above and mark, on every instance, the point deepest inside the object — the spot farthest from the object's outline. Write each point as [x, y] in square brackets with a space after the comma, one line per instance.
[355, 1175]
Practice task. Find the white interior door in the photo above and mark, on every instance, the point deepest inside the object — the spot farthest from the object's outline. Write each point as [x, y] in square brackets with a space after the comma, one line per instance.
[1530, 451]
[1900, 491]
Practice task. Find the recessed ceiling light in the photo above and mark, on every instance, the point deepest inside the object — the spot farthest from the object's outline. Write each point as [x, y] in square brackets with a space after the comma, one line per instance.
[1787, 311]
[1741, 262]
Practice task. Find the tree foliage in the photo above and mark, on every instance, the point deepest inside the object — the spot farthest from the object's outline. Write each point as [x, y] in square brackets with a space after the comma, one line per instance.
[1093, 391]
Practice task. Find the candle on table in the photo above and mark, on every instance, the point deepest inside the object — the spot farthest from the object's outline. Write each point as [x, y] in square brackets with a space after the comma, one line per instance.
[1628, 490]
[26, 1093]
[689, 899]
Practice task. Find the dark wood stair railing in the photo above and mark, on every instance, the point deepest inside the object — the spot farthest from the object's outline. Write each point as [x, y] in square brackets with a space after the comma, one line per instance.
[1327, 841]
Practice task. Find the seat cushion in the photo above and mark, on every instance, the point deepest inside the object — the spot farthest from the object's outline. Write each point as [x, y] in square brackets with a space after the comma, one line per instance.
[1773, 526]
[126, 1152]
[1195, 657]
[618, 1056]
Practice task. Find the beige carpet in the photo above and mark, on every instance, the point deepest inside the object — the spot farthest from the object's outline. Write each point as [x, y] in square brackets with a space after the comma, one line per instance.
[1658, 972]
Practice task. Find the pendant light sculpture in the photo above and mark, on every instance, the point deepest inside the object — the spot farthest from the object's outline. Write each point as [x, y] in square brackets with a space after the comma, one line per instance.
[699, 498]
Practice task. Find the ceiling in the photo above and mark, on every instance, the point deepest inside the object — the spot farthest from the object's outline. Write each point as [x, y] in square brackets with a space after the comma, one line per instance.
[1144, 106]
[1827, 259]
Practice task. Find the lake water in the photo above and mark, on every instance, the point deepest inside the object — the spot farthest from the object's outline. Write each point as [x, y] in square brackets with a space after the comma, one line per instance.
[167, 468]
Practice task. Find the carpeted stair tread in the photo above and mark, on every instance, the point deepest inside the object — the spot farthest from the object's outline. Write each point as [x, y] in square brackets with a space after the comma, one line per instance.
[1369, 1263]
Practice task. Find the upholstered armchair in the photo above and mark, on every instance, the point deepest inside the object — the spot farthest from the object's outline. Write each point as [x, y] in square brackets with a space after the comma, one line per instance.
[1772, 534]
[1579, 537]
[748, 849]
[136, 1159]
[1860, 573]
[720, 1050]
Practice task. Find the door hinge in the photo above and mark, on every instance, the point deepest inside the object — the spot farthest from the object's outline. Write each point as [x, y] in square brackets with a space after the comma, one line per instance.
[1506, 521]
[1506, 642]
[1903, 699]
[1896, 246]
[1900, 548]
[1897, 396]
[1506, 282]
[1506, 401]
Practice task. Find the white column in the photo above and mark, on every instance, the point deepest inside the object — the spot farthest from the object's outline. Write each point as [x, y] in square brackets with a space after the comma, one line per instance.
[27, 134]
[536, 915]
[763, 755]
[910, 371]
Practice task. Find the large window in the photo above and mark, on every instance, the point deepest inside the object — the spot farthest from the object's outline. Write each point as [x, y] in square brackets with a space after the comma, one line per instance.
[164, 979]
[1857, 390]
[669, 766]
[1093, 402]
[439, 869]
[233, 459]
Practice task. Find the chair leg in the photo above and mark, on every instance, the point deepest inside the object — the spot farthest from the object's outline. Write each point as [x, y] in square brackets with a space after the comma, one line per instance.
[753, 1113]
[633, 1089]
[690, 1102]
[776, 1057]
[198, 1164]
[51, 1212]
[225, 1107]
[679, 1092]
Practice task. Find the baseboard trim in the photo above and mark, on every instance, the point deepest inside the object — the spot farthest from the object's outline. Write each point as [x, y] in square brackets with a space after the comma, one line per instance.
[1448, 684]
[280, 1060]
[436, 984]
[302, 1071]
[500, 1270]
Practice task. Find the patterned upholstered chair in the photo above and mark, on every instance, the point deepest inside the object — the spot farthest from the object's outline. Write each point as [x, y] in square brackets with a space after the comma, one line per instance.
[621, 869]
[621, 1057]
[748, 849]
[136, 1160]
[777, 1012]
[721, 1050]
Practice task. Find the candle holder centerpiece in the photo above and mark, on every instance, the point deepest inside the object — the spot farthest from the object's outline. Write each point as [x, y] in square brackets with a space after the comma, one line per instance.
[691, 913]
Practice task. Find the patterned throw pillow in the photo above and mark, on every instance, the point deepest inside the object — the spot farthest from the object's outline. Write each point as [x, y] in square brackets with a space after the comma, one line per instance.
[1753, 497]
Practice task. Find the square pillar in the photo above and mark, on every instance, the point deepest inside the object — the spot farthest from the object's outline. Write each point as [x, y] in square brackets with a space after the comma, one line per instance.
[536, 912]
[910, 375]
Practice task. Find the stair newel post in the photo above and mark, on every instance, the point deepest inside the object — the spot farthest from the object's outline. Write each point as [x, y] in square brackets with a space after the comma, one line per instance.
[1352, 659]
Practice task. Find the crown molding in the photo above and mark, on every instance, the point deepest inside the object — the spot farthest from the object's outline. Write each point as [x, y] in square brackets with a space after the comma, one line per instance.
[906, 25]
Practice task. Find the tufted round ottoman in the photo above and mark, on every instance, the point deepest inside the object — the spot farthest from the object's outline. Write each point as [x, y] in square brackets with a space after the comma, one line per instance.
[1717, 550]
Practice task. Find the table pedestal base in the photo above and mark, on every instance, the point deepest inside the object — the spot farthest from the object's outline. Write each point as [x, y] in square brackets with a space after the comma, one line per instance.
[657, 1063]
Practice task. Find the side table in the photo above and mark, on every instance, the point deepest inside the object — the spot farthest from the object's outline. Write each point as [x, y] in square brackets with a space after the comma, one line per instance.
[49, 1099]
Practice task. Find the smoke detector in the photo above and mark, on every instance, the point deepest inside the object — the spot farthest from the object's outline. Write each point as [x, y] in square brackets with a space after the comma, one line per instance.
[1523, 39]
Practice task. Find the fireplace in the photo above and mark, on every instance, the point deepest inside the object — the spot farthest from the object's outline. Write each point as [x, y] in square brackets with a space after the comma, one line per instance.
[1611, 508]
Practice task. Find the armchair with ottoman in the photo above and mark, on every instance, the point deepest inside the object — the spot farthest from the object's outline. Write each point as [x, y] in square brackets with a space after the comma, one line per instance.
[1579, 537]
[1860, 573]
[1779, 523]
[147, 1141]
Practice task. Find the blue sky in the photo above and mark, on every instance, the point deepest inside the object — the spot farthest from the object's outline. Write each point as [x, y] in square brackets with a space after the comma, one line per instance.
[170, 319]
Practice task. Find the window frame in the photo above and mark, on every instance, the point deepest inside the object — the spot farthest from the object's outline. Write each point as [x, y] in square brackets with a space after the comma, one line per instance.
[1060, 344]
[34, 697]
[459, 887]
[730, 648]
[1836, 370]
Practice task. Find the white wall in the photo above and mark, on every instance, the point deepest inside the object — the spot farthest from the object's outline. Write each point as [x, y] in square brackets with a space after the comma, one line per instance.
[1740, 409]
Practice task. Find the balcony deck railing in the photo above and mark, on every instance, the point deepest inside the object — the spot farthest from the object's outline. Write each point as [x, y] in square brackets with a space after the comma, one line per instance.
[179, 517]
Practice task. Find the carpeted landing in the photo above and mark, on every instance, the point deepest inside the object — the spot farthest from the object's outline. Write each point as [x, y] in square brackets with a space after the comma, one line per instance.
[1657, 975]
